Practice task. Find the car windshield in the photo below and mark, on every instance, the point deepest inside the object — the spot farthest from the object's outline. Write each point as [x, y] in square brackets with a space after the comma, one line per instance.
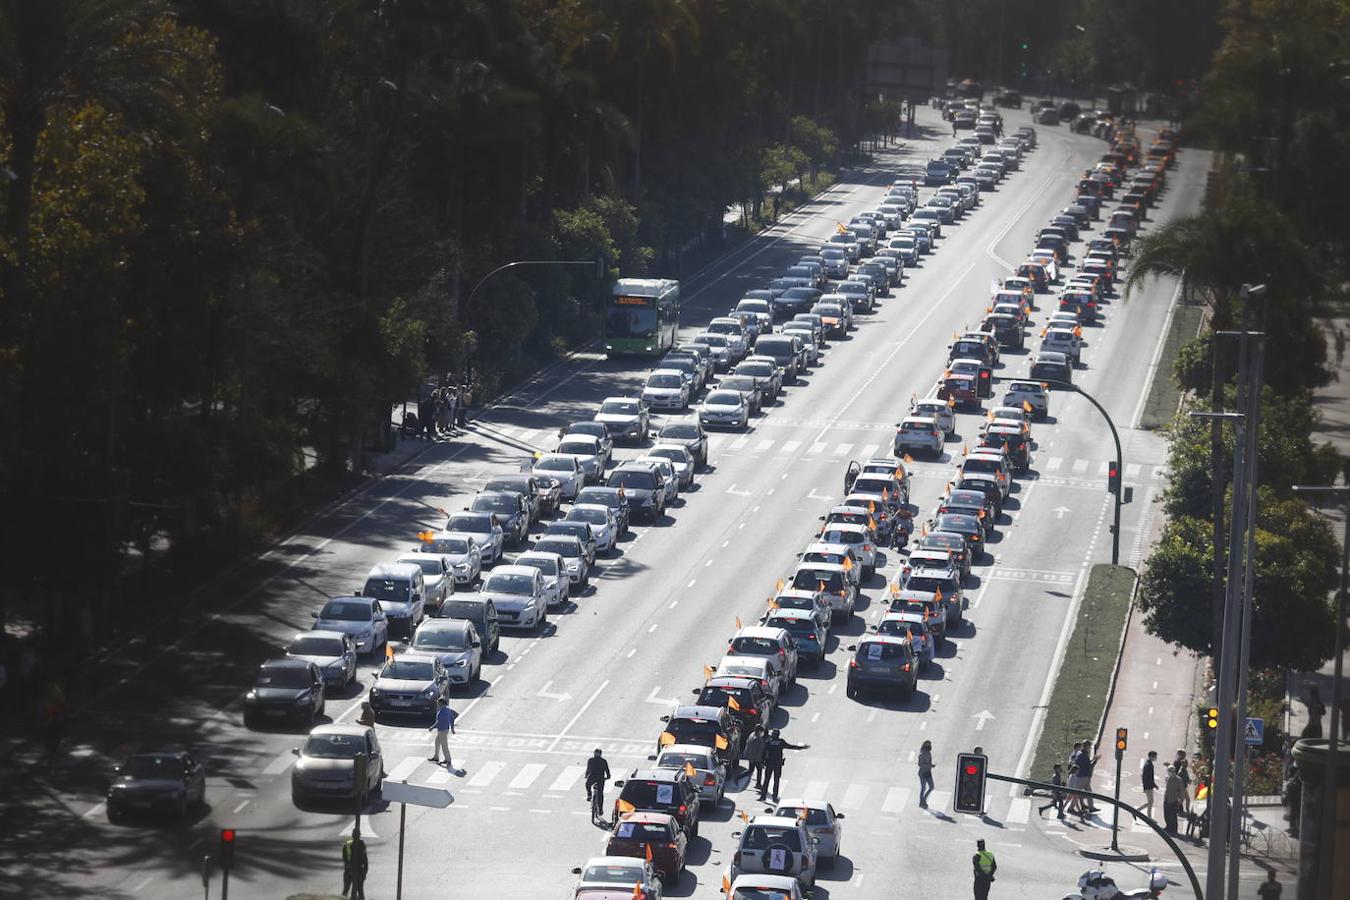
[619, 408]
[440, 639]
[724, 398]
[495, 503]
[794, 626]
[872, 485]
[509, 583]
[447, 545]
[806, 603]
[833, 253]
[386, 589]
[632, 478]
[938, 541]
[875, 651]
[316, 646]
[679, 431]
[335, 746]
[812, 579]
[566, 549]
[462, 609]
[672, 454]
[649, 794]
[556, 464]
[981, 465]
[840, 536]
[829, 309]
[153, 767]
[643, 832]
[916, 426]
[346, 611]
[578, 530]
[409, 670]
[547, 566]
[693, 731]
[471, 524]
[900, 629]
[429, 565]
[929, 583]
[677, 760]
[714, 340]
[282, 677]
[717, 696]
[592, 516]
[753, 646]
[579, 448]
[804, 813]
[631, 321]
[754, 306]
[761, 837]
[614, 874]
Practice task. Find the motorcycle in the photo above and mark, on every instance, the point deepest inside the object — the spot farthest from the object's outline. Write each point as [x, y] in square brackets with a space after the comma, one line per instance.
[1097, 885]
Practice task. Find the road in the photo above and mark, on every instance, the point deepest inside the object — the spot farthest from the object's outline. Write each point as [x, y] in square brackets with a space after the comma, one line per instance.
[604, 672]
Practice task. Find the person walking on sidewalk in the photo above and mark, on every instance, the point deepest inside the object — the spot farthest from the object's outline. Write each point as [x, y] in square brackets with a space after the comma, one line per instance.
[444, 726]
[355, 865]
[754, 757]
[1085, 770]
[1149, 783]
[773, 761]
[925, 773]
[985, 867]
[1056, 797]
[1173, 793]
[1076, 761]
[1183, 772]
[465, 401]
[451, 409]
[1270, 889]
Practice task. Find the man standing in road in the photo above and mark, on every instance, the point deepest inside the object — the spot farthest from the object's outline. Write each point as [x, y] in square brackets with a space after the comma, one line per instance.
[1173, 792]
[925, 773]
[1056, 797]
[355, 864]
[773, 761]
[444, 726]
[985, 867]
[754, 757]
[1270, 889]
[1149, 783]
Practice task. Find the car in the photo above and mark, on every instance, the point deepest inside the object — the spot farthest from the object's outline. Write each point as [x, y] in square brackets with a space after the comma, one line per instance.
[808, 636]
[836, 261]
[724, 409]
[456, 644]
[970, 527]
[1016, 416]
[913, 626]
[774, 644]
[1008, 330]
[156, 782]
[541, 498]
[707, 726]
[945, 207]
[961, 388]
[918, 434]
[764, 368]
[1032, 393]
[823, 824]
[756, 667]
[438, 580]
[580, 530]
[836, 314]
[696, 368]
[754, 702]
[360, 617]
[833, 582]
[399, 588]
[806, 334]
[981, 372]
[860, 294]
[882, 277]
[709, 773]
[518, 593]
[968, 501]
[666, 791]
[607, 496]
[667, 389]
[720, 347]
[755, 391]
[669, 478]
[812, 601]
[840, 554]
[680, 460]
[588, 451]
[883, 662]
[643, 488]
[484, 530]
[1063, 340]
[1013, 442]
[858, 539]
[625, 418]
[325, 768]
[334, 652]
[926, 604]
[564, 468]
[616, 878]
[481, 611]
[604, 524]
[411, 683]
[782, 349]
[989, 461]
[851, 515]
[687, 433]
[654, 836]
[460, 552]
[945, 586]
[981, 350]
[1048, 365]
[761, 885]
[284, 690]
[759, 307]
[573, 553]
[795, 300]
[557, 581]
[953, 546]
[776, 845]
[508, 509]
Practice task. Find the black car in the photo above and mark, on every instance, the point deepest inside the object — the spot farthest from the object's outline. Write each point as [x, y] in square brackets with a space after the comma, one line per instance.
[285, 690]
[1012, 440]
[643, 489]
[970, 348]
[969, 527]
[986, 484]
[1007, 329]
[707, 726]
[795, 300]
[756, 703]
[150, 783]
[666, 791]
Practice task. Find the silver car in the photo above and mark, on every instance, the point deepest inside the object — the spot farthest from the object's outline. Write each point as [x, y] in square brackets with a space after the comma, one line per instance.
[438, 579]
[680, 459]
[326, 764]
[710, 773]
[459, 550]
[456, 643]
[917, 434]
[822, 823]
[942, 411]
[484, 529]
[518, 592]
[557, 585]
[586, 449]
[573, 555]
[360, 617]
[604, 524]
[333, 652]
[671, 481]
[411, 683]
[725, 409]
[563, 468]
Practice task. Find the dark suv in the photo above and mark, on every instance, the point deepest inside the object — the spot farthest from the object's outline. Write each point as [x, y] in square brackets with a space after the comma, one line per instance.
[885, 662]
[756, 703]
[1013, 442]
[643, 487]
[663, 791]
[707, 726]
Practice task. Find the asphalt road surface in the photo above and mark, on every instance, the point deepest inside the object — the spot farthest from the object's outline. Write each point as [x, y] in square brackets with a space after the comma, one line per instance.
[663, 606]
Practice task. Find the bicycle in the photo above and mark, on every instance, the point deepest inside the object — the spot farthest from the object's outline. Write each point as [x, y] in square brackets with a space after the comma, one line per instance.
[598, 805]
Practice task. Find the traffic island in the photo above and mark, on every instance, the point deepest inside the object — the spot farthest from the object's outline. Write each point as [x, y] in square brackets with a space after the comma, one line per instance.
[1122, 854]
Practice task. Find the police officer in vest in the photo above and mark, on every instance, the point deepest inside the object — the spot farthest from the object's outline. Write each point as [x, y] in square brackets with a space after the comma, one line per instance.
[985, 867]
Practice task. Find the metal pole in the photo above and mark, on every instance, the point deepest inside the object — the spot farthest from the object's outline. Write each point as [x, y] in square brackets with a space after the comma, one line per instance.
[1120, 462]
[1227, 661]
[1115, 808]
[206, 877]
[402, 822]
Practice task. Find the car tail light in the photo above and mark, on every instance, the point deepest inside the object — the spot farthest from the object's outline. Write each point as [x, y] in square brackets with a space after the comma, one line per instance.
[764, 684]
[782, 654]
[867, 547]
[906, 667]
[671, 847]
[752, 711]
[709, 781]
[853, 664]
[683, 809]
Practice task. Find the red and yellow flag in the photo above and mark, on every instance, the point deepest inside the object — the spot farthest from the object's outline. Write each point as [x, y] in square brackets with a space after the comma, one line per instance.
[720, 742]
[625, 807]
[733, 704]
[708, 671]
[690, 770]
[667, 739]
[426, 537]
[649, 852]
[739, 626]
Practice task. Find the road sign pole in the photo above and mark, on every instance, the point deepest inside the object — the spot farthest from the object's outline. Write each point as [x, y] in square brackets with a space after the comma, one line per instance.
[206, 877]
[402, 823]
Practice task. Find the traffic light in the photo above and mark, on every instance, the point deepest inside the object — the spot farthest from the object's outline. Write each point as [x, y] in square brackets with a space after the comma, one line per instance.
[226, 848]
[1113, 478]
[1122, 739]
[971, 769]
[1212, 718]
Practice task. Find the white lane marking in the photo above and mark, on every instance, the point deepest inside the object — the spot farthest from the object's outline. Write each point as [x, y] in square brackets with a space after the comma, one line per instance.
[842, 449]
[739, 443]
[567, 778]
[692, 582]
[1080, 466]
[895, 801]
[138, 888]
[488, 771]
[764, 445]
[870, 451]
[1157, 355]
[280, 764]
[240, 807]
[1054, 463]
[815, 790]
[95, 810]
[404, 769]
[855, 796]
[789, 446]
[630, 653]
[817, 447]
[441, 776]
[653, 628]
[526, 776]
[673, 604]
[1018, 812]
[587, 705]
[659, 701]
[1102, 467]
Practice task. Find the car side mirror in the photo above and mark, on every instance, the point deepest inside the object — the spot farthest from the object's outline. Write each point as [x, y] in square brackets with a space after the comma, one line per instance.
[852, 648]
[736, 834]
[295, 751]
[815, 840]
[839, 815]
[619, 783]
[576, 870]
[665, 718]
[651, 756]
[313, 615]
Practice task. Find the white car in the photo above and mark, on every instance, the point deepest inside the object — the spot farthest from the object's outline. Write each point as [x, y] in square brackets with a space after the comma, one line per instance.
[518, 593]
[612, 875]
[460, 552]
[857, 538]
[807, 334]
[710, 773]
[725, 409]
[1063, 340]
[670, 479]
[562, 468]
[666, 389]
[604, 524]
[485, 530]
[680, 459]
[438, 579]
[822, 823]
[758, 885]
[917, 434]
[942, 411]
[557, 584]
[839, 554]
[1019, 392]
[1007, 415]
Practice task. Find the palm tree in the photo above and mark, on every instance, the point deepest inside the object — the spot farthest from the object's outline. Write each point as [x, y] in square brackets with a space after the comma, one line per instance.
[63, 53]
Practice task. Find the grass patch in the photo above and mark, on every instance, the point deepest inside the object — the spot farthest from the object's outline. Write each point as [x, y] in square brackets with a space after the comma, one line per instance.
[1164, 394]
[795, 196]
[1079, 698]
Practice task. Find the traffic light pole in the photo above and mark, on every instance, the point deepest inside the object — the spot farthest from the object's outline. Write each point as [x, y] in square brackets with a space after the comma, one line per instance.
[1116, 480]
[1115, 807]
[1158, 829]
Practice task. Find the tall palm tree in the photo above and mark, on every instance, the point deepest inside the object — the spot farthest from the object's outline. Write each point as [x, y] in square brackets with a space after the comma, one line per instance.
[63, 53]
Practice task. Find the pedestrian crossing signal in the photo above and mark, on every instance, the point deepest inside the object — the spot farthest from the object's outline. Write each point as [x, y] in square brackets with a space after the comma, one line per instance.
[226, 848]
[1212, 718]
[971, 770]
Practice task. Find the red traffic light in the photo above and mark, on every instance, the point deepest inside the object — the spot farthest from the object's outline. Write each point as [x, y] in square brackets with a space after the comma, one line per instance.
[227, 835]
[972, 770]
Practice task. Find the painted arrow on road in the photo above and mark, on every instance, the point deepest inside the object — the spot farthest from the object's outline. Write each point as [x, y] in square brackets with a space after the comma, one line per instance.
[1059, 511]
[732, 490]
[544, 692]
[662, 701]
[983, 716]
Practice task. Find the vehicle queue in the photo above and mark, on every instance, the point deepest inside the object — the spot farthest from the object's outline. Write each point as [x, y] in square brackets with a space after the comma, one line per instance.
[449, 598]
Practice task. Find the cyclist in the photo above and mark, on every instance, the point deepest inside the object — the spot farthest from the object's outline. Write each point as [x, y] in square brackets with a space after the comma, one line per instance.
[597, 773]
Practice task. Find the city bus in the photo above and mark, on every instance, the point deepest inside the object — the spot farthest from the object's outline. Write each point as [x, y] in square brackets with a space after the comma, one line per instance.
[642, 316]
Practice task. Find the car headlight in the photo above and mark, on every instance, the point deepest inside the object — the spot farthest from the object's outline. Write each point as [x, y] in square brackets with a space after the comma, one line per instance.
[461, 567]
[251, 696]
[302, 699]
[431, 691]
[459, 664]
[375, 692]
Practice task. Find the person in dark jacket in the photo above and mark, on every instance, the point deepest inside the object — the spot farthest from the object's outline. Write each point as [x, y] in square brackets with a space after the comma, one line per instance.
[773, 761]
[754, 756]
[1149, 782]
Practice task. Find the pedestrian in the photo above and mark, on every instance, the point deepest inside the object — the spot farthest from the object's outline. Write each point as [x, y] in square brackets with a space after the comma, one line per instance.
[451, 408]
[1316, 710]
[1174, 791]
[424, 417]
[1056, 797]
[754, 757]
[1184, 773]
[444, 726]
[1149, 782]
[953, 126]
[1293, 797]
[465, 401]
[1340, 346]
[925, 773]
[985, 867]
[355, 865]
[1076, 778]
[1270, 889]
[773, 761]
[367, 714]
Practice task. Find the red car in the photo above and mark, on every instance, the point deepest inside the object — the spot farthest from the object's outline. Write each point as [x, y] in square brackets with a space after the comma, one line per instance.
[961, 388]
[653, 836]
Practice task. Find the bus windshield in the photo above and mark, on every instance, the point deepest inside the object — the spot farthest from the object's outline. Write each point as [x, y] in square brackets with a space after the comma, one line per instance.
[631, 317]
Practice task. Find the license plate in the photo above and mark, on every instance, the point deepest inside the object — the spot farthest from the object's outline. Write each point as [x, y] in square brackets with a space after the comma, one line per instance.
[876, 668]
[274, 712]
[400, 703]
